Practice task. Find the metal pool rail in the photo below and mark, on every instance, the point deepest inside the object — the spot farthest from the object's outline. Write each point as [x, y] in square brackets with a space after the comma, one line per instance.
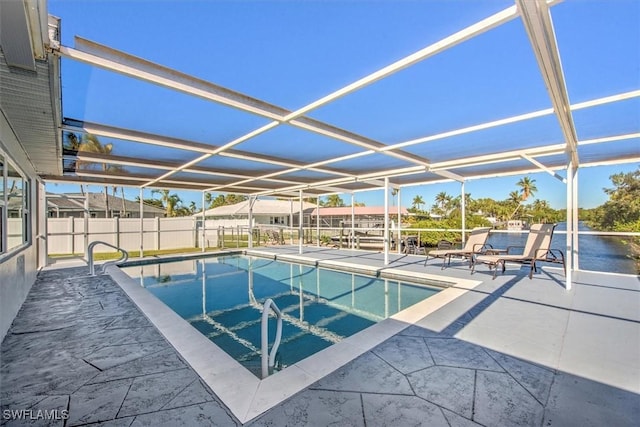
[267, 364]
[92, 270]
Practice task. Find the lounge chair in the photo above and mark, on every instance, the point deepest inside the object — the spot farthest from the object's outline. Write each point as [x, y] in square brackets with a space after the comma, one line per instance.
[412, 245]
[537, 248]
[476, 244]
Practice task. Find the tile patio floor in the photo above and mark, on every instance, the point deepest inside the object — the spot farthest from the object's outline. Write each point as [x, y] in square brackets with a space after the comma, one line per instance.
[510, 351]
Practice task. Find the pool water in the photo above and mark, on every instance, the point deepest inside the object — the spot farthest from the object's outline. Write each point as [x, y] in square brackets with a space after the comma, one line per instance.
[222, 297]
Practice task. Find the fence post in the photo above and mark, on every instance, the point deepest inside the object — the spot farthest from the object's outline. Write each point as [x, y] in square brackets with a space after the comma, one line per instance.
[237, 236]
[117, 227]
[73, 235]
[157, 233]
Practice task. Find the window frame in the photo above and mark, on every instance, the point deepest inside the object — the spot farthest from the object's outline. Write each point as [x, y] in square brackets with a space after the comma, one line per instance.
[25, 209]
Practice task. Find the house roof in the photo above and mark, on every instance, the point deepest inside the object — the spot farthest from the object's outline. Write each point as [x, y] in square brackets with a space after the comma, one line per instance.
[97, 203]
[359, 210]
[260, 207]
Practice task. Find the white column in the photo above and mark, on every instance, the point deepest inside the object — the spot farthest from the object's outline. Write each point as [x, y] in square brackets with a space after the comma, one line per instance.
[570, 217]
[301, 216]
[251, 201]
[318, 220]
[576, 248]
[86, 226]
[141, 222]
[386, 221]
[353, 220]
[291, 221]
[204, 282]
[463, 209]
[204, 221]
[45, 228]
[399, 239]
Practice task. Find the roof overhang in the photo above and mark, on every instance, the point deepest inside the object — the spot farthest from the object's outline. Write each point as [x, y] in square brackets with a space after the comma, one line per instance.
[30, 90]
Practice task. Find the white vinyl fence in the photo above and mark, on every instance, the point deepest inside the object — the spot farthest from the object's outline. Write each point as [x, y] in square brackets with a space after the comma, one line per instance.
[66, 235]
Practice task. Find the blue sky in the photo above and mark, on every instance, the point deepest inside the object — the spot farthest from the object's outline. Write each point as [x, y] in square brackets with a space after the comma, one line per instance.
[292, 53]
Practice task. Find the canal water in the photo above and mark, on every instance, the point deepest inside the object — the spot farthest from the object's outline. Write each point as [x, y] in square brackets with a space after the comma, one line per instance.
[598, 253]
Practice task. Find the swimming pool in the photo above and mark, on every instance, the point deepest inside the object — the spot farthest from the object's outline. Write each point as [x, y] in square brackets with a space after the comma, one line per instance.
[222, 297]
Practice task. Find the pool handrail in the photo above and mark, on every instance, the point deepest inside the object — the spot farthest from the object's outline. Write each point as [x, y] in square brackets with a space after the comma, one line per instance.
[92, 270]
[268, 359]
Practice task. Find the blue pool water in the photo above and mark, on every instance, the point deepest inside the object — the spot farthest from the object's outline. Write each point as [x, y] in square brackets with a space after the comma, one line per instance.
[222, 297]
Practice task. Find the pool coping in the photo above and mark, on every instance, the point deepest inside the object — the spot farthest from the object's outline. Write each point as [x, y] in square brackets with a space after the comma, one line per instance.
[243, 393]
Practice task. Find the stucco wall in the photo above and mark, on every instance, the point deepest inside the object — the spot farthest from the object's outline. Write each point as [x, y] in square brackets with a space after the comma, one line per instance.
[17, 274]
[19, 266]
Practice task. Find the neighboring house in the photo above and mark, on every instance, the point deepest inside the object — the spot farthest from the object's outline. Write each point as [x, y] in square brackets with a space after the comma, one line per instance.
[365, 216]
[279, 213]
[72, 205]
[265, 212]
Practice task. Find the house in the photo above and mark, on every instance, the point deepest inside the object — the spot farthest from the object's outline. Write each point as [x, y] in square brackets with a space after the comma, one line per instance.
[365, 216]
[71, 205]
[285, 213]
[265, 212]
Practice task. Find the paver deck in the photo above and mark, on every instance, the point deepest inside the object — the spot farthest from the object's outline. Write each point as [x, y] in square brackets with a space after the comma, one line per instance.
[510, 351]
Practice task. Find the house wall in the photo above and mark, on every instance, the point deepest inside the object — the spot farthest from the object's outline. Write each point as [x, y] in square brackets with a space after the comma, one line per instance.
[18, 266]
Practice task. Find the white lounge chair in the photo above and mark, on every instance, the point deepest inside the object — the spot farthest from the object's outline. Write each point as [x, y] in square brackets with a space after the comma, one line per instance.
[475, 244]
[537, 248]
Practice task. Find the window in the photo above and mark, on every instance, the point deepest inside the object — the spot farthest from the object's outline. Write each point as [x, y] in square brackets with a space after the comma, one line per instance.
[15, 206]
[2, 207]
[276, 220]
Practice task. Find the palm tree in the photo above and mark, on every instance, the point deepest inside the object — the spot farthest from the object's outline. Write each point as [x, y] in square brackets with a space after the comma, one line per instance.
[456, 202]
[515, 198]
[540, 204]
[72, 142]
[541, 209]
[527, 187]
[418, 201]
[91, 144]
[394, 193]
[442, 199]
[169, 201]
[333, 201]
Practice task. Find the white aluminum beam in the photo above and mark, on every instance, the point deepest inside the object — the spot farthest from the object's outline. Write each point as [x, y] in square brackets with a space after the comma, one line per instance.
[514, 119]
[544, 168]
[537, 21]
[441, 167]
[129, 65]
[446, 43]
[123, 63]
[182, 144]
[86, 156]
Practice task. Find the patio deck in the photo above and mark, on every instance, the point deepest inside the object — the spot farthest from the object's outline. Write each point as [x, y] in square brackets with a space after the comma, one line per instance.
[510, 351]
